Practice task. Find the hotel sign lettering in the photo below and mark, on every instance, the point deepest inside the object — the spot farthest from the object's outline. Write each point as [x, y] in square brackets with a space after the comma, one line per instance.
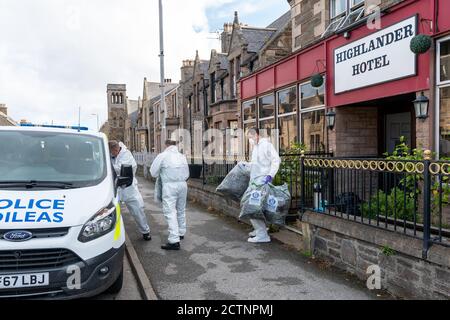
[383, 56]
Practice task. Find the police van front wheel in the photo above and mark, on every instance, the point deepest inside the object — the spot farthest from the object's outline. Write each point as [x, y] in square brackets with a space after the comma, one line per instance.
[117, 285]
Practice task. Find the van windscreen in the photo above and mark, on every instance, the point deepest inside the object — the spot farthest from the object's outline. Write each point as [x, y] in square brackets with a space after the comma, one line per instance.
[72, 159]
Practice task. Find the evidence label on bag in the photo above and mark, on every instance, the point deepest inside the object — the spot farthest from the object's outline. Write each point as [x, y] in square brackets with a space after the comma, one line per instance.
[272, 204]
[255, 198]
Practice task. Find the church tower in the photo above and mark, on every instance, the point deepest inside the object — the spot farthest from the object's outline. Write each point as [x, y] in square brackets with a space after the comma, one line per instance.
[117, 111]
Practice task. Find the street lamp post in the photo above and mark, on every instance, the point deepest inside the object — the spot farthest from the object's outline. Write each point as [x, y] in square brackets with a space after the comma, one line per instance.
[161, 56]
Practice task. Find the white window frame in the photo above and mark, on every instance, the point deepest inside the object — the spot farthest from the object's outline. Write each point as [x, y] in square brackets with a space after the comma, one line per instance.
[273, 117]
[340, 14]
[246, 122]
[307, 110]
[242, 111]
[338, 20]
[285, 115]
[439, 85]
[274, 107]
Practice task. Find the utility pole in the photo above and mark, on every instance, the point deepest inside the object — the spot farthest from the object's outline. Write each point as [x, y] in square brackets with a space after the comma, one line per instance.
[161, 55]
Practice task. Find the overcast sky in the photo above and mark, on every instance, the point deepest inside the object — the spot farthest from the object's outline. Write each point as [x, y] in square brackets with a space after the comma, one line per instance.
[56, 55]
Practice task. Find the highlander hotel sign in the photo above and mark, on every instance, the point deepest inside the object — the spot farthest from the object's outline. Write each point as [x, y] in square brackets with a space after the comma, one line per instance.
[380, 57]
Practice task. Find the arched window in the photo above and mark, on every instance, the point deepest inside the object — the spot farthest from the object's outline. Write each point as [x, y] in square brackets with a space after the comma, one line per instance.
[121, 98]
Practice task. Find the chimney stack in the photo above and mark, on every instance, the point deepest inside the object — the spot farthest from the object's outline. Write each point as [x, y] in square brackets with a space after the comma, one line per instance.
[3, 108]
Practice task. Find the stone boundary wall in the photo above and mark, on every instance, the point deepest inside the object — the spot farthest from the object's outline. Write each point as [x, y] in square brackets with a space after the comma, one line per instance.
[354, 247]
[206, 195]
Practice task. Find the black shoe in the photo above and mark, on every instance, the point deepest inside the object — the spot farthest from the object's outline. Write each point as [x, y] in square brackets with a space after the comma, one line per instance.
[147, 237]
[171, 246]
[181, 237]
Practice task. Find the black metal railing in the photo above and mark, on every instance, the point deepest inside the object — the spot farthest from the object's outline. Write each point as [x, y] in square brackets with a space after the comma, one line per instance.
[212, 170]
[409, 197]
[290, 173]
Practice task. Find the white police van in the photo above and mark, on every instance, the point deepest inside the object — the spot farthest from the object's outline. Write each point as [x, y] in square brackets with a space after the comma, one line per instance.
[61, 231]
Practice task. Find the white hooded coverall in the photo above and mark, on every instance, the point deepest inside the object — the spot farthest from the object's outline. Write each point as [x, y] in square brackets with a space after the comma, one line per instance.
[131, 195]
[172, 168]
[265, 162]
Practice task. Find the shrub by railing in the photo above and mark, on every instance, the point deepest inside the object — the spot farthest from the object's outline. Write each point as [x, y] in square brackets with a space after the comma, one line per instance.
[407, 196]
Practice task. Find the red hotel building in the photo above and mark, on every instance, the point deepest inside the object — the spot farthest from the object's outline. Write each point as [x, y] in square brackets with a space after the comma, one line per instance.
[371, 78]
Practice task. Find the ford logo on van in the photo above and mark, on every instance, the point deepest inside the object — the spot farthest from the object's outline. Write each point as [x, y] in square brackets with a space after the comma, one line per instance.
[18, 236]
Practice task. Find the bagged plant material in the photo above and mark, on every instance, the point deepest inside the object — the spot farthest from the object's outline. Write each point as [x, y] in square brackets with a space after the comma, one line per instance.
[236, 182]
[253, 201]
[277, 204]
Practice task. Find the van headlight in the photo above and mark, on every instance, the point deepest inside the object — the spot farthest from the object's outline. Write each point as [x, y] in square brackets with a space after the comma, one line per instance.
[101, 223]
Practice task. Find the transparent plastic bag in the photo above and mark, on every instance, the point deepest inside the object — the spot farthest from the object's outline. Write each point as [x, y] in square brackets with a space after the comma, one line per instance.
[236, 182]
[253, 201]
[277, 204]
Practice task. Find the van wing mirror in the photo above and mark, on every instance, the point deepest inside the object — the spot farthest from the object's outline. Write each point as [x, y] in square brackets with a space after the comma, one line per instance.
[126, 176]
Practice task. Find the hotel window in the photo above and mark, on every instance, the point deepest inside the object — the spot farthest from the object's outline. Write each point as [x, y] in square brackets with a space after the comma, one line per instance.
[312, 115]
[249, 118]
[287, 118]
[344, 13]
[266, 118]
[443, 80]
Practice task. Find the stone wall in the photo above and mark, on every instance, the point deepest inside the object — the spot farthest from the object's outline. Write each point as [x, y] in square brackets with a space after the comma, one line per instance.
[353, 247]
[277, 49]
[309, 19]
[355, 133]
[207, 196]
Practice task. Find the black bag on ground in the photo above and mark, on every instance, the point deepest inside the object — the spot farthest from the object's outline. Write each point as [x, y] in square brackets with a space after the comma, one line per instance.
[348, 202]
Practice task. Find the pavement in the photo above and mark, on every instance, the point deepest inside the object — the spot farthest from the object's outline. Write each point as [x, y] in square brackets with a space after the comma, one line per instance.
[217, 263]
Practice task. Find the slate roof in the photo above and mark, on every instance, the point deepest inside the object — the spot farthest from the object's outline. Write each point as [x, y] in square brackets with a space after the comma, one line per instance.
[224, 63]
[153, 89]
[203, 68]
[132, 105]
[133, 118]
[258, 37]
[281, 21]
[169, 88]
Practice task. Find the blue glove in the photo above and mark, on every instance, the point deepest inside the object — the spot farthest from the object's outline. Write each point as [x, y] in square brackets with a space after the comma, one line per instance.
[268, 179]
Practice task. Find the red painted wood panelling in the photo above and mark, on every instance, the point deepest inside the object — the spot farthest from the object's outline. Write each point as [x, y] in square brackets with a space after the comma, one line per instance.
[443, 15]
[248, 88]
[308, 62]
[286, 73]
[266, 81]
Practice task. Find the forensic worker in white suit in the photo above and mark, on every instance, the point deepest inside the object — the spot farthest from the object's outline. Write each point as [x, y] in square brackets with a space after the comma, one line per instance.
[172, 168]
[131, 196]
[265, 163]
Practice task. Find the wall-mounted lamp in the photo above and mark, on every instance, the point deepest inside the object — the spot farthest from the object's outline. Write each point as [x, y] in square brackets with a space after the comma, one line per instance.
[331, 119]
[421, 106]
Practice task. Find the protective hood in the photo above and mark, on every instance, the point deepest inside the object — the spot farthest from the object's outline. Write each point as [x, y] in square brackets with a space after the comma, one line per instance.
[36, 209]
